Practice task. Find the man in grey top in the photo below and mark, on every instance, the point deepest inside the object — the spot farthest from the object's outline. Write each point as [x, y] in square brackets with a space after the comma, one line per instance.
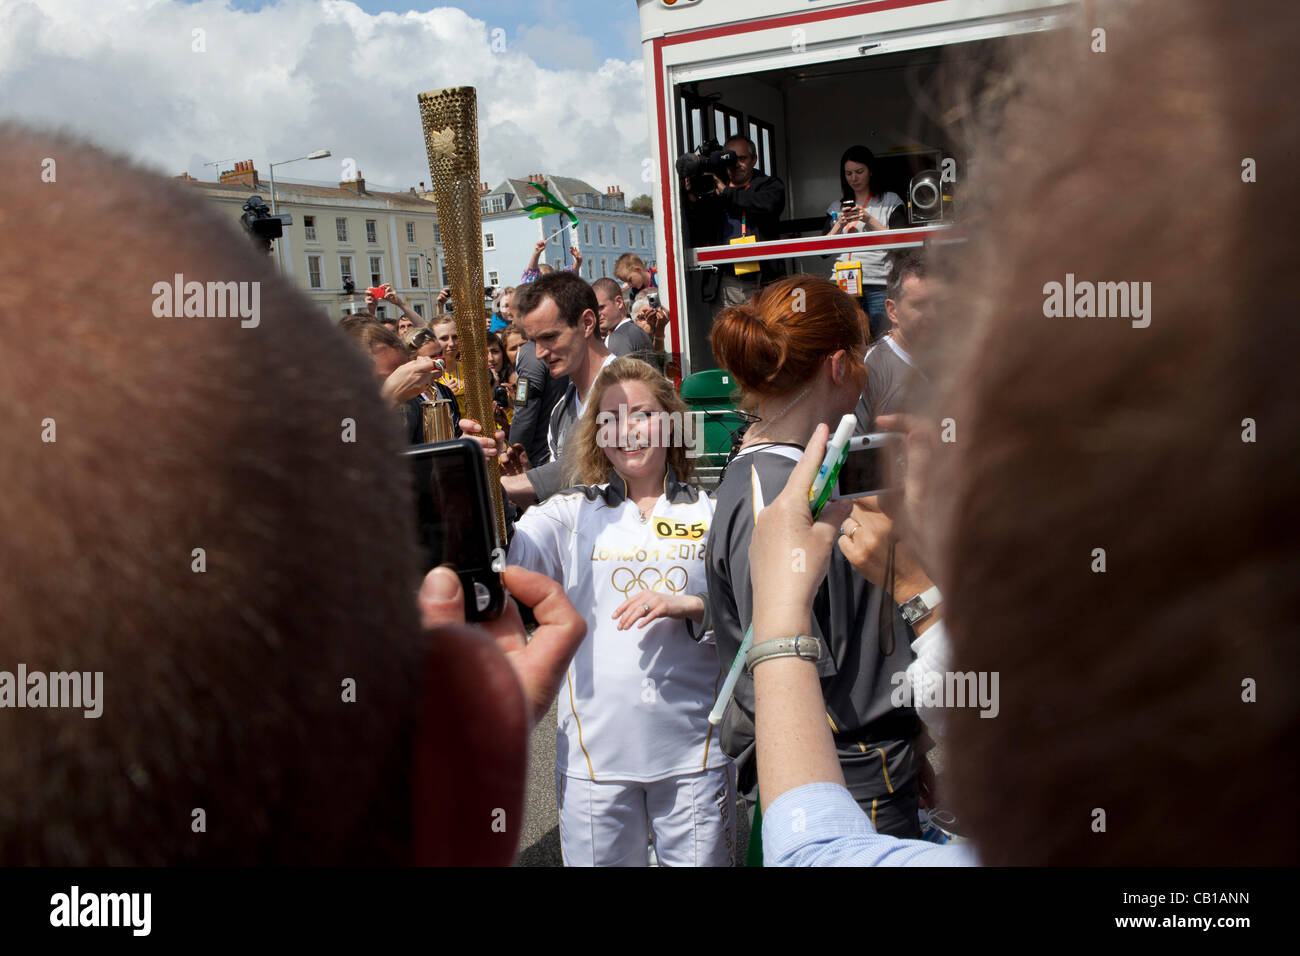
[558, 311]
[893, 374]
[622, 335]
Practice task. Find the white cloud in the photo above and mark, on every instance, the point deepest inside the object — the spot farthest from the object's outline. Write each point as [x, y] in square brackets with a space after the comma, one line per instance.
[304, 75]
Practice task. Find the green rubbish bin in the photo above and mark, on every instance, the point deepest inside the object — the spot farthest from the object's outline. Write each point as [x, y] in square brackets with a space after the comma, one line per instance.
[709, 393]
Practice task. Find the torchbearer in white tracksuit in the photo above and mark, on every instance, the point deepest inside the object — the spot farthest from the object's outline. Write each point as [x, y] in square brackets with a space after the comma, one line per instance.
[635, 753]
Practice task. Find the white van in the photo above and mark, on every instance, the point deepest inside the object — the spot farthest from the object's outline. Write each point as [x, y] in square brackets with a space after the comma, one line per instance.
[805, 79]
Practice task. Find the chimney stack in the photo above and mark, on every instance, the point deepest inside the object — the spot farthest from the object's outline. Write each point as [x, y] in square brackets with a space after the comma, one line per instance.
[357, 185]
[244, 174]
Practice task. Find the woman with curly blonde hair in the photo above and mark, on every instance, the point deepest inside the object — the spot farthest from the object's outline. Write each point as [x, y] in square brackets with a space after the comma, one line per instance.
[634, 748]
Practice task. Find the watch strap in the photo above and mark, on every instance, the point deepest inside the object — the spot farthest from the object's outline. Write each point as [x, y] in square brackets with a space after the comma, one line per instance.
[919, 607]
[802, 646]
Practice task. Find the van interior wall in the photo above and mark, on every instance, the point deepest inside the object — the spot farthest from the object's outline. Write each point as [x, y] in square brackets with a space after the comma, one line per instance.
[825, 115]
[890, 103]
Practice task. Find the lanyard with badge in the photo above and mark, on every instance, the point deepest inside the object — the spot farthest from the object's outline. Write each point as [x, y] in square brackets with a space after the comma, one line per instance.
[744, 268]
[848, 272]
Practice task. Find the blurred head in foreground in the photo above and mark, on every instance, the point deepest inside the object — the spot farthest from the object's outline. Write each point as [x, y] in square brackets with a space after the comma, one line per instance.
[207, 511]
[1148, 710]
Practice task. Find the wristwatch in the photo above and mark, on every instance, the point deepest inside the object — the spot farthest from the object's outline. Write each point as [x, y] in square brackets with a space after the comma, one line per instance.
[802, 646]
[917, 609]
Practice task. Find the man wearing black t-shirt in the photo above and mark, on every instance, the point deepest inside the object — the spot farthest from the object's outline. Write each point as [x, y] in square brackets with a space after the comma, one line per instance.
[748, 204]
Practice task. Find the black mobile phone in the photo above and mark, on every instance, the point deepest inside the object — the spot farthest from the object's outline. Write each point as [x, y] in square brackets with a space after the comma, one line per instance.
[847, 204]
[454, 521]
[874, 464]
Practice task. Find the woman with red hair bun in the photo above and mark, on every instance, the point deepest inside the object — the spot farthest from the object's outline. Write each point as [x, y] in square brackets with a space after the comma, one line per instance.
[796, 350]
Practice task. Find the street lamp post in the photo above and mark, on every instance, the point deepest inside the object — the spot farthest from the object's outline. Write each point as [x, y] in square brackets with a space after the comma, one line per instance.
[318, 154]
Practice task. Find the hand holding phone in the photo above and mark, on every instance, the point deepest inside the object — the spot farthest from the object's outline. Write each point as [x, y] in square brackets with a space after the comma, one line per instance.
[455, 521]
[823, 484]
[873, 464]
[541, 659]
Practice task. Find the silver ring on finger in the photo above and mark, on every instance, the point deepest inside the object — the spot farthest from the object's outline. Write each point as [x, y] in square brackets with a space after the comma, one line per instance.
[646, 608]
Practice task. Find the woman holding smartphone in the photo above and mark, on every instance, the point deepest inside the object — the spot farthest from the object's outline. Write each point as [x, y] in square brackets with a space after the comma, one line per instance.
[861, 208]
[796, 351]
[634, 749]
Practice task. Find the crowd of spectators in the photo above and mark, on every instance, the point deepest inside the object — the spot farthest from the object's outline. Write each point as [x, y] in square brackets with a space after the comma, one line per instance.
[1078, 510]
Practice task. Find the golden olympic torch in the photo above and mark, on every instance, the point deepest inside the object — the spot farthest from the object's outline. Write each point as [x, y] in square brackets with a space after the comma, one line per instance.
[450, 120]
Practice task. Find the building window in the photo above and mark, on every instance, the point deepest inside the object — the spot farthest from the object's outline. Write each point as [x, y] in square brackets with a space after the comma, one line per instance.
[372, 233]
[489, 241]
[380, 312]
[613, 236]
[413, 270]
[631, 240]
[643, 236]
[376, 270]
[410, 233]
[442, 268]
[493, 278]
[419, 308]
[345, 267]
[604, 268]
[589, 275]
[586, 233]
[726, 123]
[313, 271]
[309, 226]
[341, 229]
[437, 234]
[764, 136]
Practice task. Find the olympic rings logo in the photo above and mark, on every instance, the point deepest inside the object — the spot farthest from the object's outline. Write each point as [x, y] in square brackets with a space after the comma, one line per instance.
[624, 580]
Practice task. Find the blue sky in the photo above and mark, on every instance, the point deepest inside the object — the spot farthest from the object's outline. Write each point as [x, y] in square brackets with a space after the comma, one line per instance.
[181, 84]
[608, 27]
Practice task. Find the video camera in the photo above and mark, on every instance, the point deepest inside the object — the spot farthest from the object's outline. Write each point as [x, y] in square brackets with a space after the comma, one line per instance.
[708, 157]
[261, 225]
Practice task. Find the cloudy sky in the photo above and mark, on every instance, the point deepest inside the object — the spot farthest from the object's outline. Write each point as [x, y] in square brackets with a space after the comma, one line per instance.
[560, 82]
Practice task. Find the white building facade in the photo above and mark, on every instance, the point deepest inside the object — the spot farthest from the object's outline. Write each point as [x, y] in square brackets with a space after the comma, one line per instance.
[605, 230]
[348, 232]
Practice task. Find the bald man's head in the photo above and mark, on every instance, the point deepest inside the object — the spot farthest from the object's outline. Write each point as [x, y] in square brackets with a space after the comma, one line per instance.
[183, 513]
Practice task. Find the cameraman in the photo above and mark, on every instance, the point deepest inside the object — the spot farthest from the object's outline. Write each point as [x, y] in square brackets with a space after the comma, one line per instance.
[749, 204]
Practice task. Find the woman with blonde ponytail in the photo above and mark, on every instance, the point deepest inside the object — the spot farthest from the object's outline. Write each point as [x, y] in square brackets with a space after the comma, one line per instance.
[635, 752]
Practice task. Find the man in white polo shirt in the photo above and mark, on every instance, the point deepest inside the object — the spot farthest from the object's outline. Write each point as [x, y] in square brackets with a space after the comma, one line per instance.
[893, 370]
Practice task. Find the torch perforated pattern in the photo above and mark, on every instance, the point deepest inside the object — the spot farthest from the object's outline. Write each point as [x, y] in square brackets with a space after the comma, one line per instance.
[450, 121]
